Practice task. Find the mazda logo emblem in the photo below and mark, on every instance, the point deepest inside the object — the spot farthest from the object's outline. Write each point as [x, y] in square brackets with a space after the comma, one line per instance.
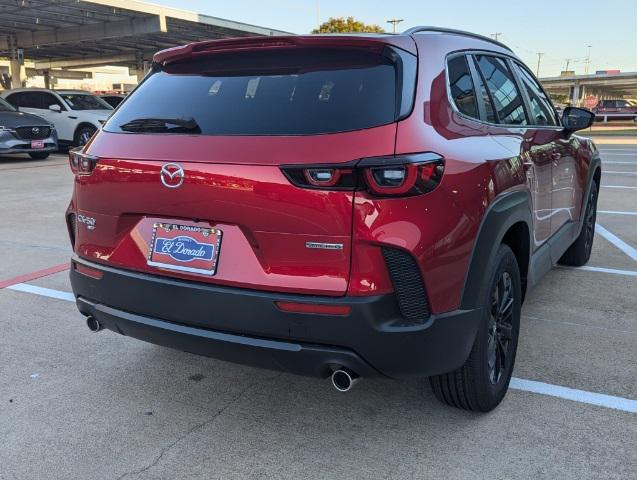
[35, 130]
[172, 175]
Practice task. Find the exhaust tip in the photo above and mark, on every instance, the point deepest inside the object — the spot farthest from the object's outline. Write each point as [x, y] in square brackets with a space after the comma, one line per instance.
[343, 380]
[93, 324]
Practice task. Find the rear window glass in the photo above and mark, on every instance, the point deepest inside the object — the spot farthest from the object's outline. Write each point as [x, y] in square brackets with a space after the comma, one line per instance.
[298, 92]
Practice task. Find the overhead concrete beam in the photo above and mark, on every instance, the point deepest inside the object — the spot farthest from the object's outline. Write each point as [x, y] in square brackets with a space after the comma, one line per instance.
[65, 74]
[123, 58]
[91, 31]
[188, 16]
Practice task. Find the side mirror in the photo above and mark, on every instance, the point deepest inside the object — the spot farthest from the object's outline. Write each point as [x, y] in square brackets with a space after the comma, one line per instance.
[55, 108]
[574, 119]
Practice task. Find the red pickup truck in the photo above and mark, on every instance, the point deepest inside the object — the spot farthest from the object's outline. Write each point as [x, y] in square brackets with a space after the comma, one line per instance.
[616, 109]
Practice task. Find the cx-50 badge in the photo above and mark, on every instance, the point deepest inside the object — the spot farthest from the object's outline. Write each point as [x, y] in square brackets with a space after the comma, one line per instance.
[172, 175]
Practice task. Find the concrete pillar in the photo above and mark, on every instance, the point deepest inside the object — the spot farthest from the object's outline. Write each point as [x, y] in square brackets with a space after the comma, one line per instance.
[47, 78]
[575, 95]
[140, 70]
[15, 63]
[15, 71]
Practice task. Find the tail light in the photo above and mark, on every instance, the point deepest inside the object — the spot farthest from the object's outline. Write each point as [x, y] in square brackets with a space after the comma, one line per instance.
[81, 163]
[398, 175]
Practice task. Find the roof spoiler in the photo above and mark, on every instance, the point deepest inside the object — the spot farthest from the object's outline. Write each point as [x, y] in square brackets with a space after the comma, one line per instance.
[194, 50]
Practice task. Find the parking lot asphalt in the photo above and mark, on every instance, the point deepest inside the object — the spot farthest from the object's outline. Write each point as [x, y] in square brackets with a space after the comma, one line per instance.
[74, 405]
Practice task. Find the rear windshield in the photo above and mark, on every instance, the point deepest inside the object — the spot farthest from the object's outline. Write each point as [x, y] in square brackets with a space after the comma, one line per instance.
[296, 92]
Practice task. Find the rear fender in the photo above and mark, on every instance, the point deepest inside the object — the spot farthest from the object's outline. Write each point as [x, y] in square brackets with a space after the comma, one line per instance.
[504, 212]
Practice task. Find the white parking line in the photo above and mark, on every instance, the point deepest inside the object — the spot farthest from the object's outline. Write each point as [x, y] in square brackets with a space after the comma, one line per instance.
[44, 292]
[618, 242]
[619, 163]
[582, 396]
[579, 325]
[618, 186]
[615, 172]
[616, 212]
[614, 271]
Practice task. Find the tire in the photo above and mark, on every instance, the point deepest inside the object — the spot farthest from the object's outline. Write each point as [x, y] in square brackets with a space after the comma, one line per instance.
[579, 252]
[83, 135]
[481, 383]
[39, 155]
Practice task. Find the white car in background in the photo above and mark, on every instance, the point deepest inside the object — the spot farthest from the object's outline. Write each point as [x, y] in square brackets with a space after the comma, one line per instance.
[76, 114]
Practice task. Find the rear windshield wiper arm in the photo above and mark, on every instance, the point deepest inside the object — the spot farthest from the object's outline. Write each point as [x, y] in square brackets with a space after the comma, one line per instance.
[162, 125]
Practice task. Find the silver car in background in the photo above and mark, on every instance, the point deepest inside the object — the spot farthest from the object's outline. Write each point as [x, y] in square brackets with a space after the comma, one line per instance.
[25, 133]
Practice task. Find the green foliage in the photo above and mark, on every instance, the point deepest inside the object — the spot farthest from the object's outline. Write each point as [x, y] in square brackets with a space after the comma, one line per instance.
[346, 25]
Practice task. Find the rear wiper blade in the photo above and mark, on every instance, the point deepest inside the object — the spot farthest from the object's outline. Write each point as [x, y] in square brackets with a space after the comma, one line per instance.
[162, 125]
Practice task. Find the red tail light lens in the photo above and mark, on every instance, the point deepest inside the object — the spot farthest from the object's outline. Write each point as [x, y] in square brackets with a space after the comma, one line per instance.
[81, 163]
[398, 175]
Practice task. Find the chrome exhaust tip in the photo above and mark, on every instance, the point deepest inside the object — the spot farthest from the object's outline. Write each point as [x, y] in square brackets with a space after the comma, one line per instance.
[343, 379]
[93, 324]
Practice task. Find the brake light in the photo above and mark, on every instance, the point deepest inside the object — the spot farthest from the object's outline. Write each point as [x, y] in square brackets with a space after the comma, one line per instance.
[81, 163]
[397, 175]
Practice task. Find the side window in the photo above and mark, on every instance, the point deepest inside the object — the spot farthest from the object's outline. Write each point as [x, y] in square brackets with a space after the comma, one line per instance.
[461, 86]
[489, 109]
[47, 100]
[506, 98]
[14, 99]
[542, 112]
[622, 103]
[31, 100]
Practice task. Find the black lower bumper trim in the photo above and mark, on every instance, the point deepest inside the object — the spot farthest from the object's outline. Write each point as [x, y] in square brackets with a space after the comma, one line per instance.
[245, 326]
[302, 359]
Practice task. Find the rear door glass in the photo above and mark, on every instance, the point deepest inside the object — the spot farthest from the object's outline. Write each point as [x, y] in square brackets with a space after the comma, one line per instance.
[293, 92]
[503, 91]
[461, 85]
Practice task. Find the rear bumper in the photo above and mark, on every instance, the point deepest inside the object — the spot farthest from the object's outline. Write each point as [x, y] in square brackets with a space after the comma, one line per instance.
[245, 326]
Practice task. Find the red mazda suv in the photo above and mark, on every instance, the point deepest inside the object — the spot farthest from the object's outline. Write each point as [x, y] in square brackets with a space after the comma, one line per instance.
[337, 206]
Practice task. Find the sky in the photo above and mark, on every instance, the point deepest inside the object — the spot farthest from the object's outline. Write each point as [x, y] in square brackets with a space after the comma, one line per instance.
[560, 29]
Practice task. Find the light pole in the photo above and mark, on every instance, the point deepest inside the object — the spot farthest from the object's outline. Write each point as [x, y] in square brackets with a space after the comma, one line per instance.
[539, 59]
[394, 22]
[588, 59]
[496, 36]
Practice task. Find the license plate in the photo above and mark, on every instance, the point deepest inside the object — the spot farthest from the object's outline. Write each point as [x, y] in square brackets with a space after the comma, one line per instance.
[185, 248]
[37, 144]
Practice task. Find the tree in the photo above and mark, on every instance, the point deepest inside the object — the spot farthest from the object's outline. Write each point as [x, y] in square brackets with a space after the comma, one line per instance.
[346, 25]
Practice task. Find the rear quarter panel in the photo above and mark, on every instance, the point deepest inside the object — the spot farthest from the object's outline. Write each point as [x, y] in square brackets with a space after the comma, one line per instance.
[481, 163]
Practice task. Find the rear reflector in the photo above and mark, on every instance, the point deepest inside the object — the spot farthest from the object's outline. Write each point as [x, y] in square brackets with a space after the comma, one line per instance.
[321, 309]
[88, 271]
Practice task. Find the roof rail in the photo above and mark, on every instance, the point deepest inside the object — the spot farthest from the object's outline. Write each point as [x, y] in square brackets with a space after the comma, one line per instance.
[455, 32]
